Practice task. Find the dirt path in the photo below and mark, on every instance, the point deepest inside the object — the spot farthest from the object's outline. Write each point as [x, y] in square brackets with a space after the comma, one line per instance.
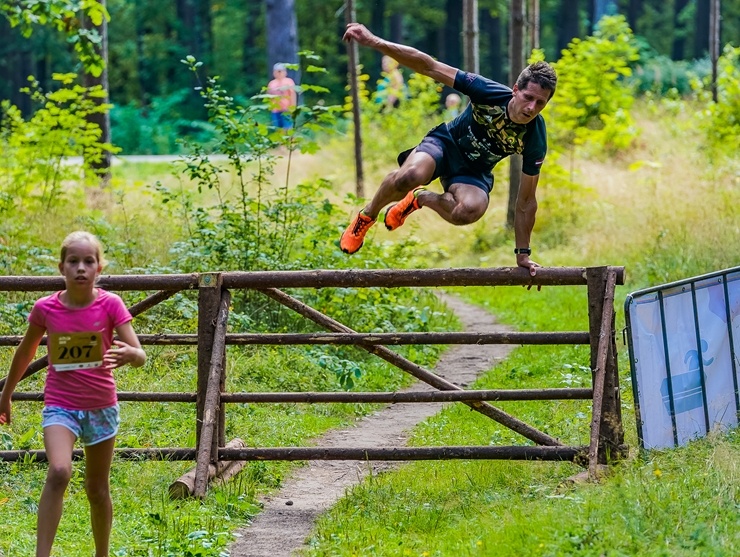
[288, 516]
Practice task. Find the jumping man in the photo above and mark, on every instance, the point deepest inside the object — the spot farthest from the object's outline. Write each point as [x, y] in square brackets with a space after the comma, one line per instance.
[497, 122]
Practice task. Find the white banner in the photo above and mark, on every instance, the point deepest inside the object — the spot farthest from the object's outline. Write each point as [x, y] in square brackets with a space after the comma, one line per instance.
[681, 354]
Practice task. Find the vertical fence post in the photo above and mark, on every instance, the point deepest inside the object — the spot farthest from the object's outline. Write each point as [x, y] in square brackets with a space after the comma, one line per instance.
[611, 433]
[209, 297]
[207, 453]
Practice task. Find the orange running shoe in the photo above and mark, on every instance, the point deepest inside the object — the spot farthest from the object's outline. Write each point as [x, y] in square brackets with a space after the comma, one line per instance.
[353, 238]
[396, 214]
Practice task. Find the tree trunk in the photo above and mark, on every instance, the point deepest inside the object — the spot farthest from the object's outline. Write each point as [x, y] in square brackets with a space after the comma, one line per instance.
[533, 19]
[102, 119]
[377, 25]
[452, 54]
[590, 15]
[714, 41]
[602, 8]
[470, 36]
[568, 23]
[701, 29]
[188, 27]
[352, 61]
[679, 31]
[516, 55]
[397, 28]
[251, 50]
[282, 35]
[634, 11]
[142, 66]
[491, 27]
[205, 30]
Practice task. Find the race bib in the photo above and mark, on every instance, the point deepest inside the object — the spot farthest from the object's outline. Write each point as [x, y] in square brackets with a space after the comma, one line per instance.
[68, 351]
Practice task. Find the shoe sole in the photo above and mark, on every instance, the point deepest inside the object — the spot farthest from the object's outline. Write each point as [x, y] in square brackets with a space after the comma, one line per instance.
[351, 252]
[385, 218]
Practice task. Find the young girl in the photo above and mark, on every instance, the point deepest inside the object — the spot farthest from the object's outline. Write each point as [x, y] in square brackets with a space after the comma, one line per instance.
[80, 392]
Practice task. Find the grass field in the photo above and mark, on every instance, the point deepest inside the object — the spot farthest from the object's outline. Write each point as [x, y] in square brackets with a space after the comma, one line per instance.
[660, 210]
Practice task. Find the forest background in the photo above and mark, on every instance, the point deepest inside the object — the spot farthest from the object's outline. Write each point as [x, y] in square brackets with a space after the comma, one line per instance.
[152, 93]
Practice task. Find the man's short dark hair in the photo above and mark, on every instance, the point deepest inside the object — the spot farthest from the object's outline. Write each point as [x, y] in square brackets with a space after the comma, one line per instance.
[541, 73]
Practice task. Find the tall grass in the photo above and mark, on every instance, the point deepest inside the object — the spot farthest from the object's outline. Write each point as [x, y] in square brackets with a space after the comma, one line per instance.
[661, 211]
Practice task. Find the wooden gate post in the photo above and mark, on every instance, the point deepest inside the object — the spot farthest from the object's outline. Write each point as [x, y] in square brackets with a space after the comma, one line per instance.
[209, 298]
[611, 432]
[207, 450]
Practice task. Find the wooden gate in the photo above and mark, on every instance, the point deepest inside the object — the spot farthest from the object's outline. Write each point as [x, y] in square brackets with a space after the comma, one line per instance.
[214, 295]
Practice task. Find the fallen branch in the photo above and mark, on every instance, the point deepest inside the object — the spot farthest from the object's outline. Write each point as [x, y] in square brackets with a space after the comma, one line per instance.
[223, 470]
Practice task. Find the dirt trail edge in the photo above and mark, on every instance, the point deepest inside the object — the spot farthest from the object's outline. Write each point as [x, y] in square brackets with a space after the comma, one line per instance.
[287, 519]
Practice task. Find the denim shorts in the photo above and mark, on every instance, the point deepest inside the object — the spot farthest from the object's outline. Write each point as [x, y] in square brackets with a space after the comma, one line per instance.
[90, 426]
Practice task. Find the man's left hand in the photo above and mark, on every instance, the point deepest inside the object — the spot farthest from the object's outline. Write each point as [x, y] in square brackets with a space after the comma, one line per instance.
[523, 260]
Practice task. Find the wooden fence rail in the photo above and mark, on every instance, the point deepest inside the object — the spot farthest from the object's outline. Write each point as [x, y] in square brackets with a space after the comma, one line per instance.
[606, 437]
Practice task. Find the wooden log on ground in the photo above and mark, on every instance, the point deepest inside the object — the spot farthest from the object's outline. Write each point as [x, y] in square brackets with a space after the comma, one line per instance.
[232, 468]
[184, 486]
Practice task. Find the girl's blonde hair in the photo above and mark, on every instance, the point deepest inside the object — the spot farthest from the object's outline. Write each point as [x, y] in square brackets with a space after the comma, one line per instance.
[82, 236]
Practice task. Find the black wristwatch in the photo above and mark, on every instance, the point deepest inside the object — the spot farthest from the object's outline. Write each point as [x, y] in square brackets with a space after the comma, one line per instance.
[523, 251]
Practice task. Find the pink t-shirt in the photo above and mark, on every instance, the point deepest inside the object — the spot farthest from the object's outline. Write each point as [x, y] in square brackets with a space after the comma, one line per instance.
[81, 389]
[284, 88]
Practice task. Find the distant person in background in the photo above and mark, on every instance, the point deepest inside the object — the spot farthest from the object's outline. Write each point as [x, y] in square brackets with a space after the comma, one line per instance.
[285, 98]
[391, 88]
[497, 122]
[452, 106]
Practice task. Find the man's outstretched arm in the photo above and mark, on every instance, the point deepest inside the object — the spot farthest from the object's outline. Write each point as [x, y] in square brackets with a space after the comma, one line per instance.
[410, 57]
[524, 217]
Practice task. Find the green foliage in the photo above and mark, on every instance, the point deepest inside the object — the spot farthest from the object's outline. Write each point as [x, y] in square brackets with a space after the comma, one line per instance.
[256, 230]
[158, 128]
[33, 171]
[393, 130]
[62, 15]
[591, 108]
[720, 121]
[562, 205]
[659, 75]
[477, 508]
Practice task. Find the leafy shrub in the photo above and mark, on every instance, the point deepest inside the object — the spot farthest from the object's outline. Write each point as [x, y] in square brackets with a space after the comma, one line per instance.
[157, 129]
[394, 130]
[720, 121]
[591, 106]
[32, 168]
[260, 227]
[659, 75]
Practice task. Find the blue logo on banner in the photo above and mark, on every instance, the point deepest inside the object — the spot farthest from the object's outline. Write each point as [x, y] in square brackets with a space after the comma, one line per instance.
[687, 387]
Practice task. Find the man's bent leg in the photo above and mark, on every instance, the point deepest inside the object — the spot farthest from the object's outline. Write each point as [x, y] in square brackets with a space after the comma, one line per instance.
[417, 169]
[460, 204]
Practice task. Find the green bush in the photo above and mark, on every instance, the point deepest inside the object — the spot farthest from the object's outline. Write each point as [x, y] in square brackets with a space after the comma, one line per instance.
[591, 108]
[393, 130]
[720, 121]
[32, 165]
[158, 128]
[659, 75]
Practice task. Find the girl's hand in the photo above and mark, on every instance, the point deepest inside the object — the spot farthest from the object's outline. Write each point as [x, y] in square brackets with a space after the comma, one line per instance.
[121, 354]
[4, 413]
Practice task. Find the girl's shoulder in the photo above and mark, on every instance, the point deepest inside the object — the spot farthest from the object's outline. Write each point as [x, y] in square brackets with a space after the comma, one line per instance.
[105, 297]
[48, 301]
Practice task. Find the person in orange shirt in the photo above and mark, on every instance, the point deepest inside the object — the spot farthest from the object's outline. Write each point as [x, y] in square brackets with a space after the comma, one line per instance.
[285, 98]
